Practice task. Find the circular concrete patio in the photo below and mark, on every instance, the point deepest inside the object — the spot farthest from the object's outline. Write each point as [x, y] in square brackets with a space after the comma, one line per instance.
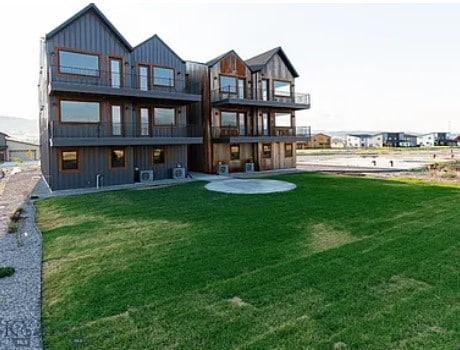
[249, 186]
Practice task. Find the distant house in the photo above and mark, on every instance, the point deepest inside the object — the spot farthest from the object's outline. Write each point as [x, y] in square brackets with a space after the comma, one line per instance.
[338, 142]
[357, 140]
[3, 147]
[23, 151]
[434, 139]
[320, 141]
[376, 141]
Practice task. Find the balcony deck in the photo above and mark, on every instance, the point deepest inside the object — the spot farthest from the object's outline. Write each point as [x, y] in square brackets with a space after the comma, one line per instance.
[102, 82]
[235, 135]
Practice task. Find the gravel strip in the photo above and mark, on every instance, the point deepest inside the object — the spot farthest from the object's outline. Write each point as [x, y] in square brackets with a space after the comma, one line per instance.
[20, 294]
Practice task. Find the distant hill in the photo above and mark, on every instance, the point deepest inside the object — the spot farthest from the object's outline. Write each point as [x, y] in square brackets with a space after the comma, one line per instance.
[20, 128]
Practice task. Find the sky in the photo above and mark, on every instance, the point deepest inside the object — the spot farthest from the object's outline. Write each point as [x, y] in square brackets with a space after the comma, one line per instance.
[392, 67]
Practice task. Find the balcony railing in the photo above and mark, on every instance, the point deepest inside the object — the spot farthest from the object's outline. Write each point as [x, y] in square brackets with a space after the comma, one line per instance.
[232, 93]
[234, 131]
[124, 130]
[114, 80]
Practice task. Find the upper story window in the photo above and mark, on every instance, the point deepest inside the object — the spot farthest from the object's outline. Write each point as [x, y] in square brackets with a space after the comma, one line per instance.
[283, 120]
[144, 78]
[78, 63]
[228, 119]
[164, 116]
[163, 76]
[282, 88]
[79, 112]
[227, 84]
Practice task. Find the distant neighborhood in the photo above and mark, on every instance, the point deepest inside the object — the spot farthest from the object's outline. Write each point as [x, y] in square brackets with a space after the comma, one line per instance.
[17, 151]
[381, 139]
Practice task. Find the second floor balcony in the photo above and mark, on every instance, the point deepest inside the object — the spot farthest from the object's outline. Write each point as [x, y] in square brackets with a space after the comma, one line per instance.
[231, 96]
[103, 82]
[116, 134]
[237, 134]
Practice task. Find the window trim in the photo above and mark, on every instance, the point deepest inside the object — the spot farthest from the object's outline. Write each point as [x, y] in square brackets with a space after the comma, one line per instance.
[153, 155]
[60, 160]
[239, 152]
[263, 152]
[78, 100]
[164, 67]
[122, 72]
[111, 167]
[282, 81]
[93, 53]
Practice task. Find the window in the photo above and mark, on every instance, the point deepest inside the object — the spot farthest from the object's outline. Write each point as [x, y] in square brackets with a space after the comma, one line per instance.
[227, 84]
[115, 72]
[241, 88]
[283, 120]
[116, 120]
[242, 123]
[78, 63]
[288, 149]
[228, 119]
[68, 160]
[266, 150]
[145, 125]
[144, 78]
[118, 158]
[282, 88]
[163, 76]
[158, 155]
[264, 89]
[79, 112]
[234, 152]
[265, 126]
[164, 116]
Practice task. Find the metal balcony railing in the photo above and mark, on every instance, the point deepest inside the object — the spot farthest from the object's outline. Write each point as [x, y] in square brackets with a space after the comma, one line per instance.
[232, 92]
[123, 130]
[126, 80]
[234, 131]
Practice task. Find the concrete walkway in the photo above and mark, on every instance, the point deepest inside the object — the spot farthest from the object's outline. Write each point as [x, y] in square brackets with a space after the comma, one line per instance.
[249, 186]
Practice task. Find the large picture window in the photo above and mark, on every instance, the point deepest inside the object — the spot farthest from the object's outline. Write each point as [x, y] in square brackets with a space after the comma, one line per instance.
[79, 112]
[117, 158]
[164, 116]
[158, 155]
[227, 84]
[78, 63]
[69, 160]
[228, 119]
[283, 120]
[163, 76]
[282, 88]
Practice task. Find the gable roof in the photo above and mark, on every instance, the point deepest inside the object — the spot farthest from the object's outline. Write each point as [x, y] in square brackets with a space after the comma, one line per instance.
[218, 58]
[2, 133]
[258, 62]
[155, 36]
[90, 8]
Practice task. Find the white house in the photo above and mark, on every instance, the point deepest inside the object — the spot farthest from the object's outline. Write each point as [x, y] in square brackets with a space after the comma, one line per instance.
[426, 140]
[376, 140]
[357, 141]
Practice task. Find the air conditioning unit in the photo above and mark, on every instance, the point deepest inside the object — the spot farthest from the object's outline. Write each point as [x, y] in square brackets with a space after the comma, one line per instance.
[146, 175]
[249, 167]
[178, 173]
[222, 169]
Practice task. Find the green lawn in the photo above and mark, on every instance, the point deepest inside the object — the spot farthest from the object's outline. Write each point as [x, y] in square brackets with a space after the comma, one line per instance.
[338, 263]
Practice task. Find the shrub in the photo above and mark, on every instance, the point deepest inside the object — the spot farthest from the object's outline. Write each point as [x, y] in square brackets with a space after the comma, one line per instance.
[12, 227]
[16, 214]
[7, 271]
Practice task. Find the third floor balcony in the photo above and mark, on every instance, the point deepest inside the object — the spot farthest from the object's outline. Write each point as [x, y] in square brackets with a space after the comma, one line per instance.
[238, 134]
[231, 96]
[103, 82]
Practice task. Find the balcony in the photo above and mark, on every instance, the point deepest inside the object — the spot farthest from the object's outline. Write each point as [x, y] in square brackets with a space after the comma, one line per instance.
[229, 96]
[126, 134]
[103, 82]
[230, 134]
